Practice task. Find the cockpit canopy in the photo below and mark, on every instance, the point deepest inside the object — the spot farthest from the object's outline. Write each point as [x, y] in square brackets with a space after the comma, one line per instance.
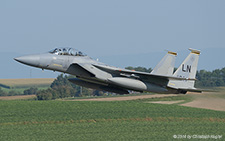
[67, 51]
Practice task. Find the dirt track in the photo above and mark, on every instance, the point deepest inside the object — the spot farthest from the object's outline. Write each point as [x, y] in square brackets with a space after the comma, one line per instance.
[126, 97]
[212, 100]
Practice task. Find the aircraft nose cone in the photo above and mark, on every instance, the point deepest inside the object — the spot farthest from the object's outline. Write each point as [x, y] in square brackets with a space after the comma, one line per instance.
[31, 60]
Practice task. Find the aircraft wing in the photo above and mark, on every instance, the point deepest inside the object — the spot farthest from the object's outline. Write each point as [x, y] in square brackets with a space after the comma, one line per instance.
[80, 70]
[153, 78]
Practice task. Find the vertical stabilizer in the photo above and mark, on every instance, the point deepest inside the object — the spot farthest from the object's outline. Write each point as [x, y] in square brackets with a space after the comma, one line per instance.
[186, 70]
[166, 65]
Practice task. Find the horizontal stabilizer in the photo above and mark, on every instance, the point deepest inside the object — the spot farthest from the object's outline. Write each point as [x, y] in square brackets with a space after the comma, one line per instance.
[193, 90]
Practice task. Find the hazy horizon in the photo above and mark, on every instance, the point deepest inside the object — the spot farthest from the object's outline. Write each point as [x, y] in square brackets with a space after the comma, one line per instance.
[119, 33]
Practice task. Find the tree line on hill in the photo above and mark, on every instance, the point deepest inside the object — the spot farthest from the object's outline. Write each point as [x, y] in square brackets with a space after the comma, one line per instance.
[30, 91]
[215, 78]
[61, 87]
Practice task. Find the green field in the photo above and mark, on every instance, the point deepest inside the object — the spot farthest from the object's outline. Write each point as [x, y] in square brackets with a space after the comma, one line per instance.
[116, 120]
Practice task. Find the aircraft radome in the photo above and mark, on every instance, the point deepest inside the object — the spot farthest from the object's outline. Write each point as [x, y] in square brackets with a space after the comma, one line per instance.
[96, 75]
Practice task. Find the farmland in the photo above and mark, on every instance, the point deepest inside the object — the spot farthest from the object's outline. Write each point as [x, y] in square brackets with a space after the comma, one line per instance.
[105, 120]
[17, 86]
[24, 83]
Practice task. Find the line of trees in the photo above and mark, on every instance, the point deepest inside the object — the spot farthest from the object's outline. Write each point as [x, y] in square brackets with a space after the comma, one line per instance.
[10, 93]
[30, 91]
[142, 69]
[62, 88]
[215, 78]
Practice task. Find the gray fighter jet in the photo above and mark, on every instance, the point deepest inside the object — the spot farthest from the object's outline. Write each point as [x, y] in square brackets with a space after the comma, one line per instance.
[96, 75]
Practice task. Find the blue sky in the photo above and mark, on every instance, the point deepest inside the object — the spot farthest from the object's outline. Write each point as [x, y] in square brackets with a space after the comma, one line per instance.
[119, 32]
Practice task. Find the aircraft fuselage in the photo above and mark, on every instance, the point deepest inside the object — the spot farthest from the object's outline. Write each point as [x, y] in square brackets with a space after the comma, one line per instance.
[93, 74]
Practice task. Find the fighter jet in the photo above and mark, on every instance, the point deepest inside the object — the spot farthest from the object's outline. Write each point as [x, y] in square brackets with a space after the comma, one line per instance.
[96, 75]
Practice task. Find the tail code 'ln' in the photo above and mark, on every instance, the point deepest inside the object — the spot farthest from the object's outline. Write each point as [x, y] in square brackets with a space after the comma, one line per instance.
[187, 70]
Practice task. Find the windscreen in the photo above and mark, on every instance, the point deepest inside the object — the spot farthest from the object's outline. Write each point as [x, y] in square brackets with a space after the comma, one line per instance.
[67, 51]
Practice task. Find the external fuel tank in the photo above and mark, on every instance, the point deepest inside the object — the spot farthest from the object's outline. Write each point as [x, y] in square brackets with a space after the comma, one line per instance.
[135, 84]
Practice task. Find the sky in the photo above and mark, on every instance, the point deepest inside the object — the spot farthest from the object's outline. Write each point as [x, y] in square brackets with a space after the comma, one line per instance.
[118, 32]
